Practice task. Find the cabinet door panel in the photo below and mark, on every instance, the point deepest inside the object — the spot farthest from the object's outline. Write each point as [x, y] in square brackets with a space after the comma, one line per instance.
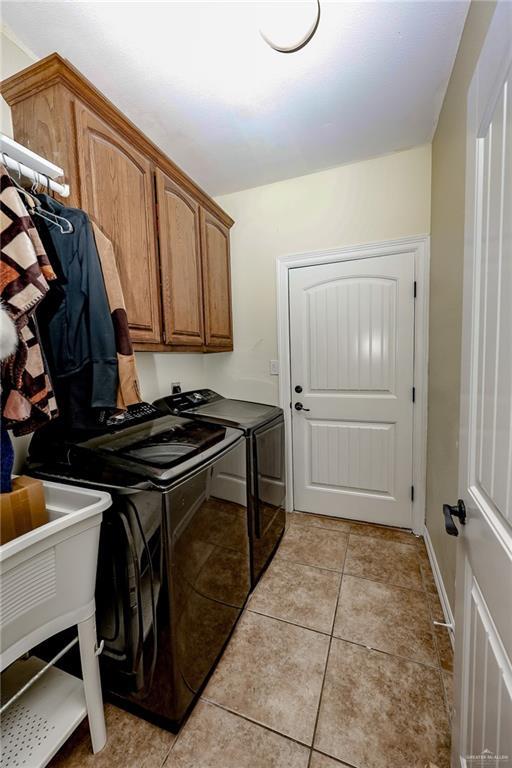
[44, 123]
[180, 263]
[117, 190]
[216, 282]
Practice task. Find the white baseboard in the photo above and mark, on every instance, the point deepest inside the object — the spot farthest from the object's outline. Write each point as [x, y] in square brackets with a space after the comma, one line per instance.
[447, 611]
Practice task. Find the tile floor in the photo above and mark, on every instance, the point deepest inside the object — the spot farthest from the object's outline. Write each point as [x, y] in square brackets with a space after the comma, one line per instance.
[335, 662]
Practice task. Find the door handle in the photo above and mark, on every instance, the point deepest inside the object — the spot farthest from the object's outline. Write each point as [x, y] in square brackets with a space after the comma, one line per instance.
[459, 510]
[300, 407]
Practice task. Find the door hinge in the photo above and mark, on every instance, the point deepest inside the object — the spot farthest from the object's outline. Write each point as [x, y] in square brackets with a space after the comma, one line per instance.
[415, 289]
[412, 492]
[414, 394]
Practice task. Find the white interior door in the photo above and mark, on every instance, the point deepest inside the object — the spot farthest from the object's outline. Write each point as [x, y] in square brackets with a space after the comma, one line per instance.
[483, 618]
[351, 352]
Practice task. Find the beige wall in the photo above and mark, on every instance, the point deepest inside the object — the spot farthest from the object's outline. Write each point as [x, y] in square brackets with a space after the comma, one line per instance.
[380, 199]
[447, 254]
[158, 369]
[13, 57]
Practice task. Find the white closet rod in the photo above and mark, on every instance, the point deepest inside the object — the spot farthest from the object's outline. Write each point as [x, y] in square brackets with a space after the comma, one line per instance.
[35, 176]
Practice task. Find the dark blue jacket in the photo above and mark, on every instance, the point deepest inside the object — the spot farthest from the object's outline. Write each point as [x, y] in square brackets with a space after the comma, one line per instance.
[77, 328]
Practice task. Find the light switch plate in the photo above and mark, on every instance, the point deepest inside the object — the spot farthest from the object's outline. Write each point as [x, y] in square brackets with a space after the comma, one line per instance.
[274, 367]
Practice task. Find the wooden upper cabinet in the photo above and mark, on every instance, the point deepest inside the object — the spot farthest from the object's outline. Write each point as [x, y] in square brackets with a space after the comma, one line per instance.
[180, 263]
[117, 191]
[177, 291]
[216, 282]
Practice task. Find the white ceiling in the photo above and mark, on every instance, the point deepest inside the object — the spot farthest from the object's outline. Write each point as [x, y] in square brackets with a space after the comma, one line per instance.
[199, 80]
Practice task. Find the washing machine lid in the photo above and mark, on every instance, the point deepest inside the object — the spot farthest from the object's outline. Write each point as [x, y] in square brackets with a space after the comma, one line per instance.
[162, 442]
[209, 406]
[160, 450]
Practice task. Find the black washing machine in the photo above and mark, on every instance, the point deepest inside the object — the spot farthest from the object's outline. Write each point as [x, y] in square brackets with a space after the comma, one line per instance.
[262, 462]
[174, 560]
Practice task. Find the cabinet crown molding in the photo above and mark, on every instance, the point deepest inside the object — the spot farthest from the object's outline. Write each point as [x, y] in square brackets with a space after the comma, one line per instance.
[54, 70]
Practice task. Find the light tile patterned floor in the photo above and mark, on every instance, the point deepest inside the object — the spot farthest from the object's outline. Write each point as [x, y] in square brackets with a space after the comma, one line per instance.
[335, 662]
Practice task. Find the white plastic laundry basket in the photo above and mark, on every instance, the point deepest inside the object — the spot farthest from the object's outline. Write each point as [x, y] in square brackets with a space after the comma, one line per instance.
[47, 576]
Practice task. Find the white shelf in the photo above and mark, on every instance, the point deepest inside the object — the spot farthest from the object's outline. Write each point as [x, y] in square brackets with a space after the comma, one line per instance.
[26, 163]
[24, 155]
[35, 726]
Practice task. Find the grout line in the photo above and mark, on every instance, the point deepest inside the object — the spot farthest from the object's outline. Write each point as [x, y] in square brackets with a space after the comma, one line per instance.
[333, 622]
[421, 591]
[338, 762]
[254, 722]
[388, 653]
[162, 765]
[298, 562]
[352, 522]
[291, 623]
[382, 540]
[235, 713]
[164, 760]
[178, 735]
[315, 527]
[318, 567]
[319, 524]
[411, 543]
[327, 661]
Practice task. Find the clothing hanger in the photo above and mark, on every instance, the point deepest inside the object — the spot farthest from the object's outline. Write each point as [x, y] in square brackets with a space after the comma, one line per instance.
[65, 226]
[34, 189]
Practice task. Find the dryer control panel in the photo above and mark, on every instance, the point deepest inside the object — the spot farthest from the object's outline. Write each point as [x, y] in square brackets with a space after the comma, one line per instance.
[185, 401]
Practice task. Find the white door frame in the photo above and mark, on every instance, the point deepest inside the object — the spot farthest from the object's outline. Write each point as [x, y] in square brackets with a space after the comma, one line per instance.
[419, 249]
